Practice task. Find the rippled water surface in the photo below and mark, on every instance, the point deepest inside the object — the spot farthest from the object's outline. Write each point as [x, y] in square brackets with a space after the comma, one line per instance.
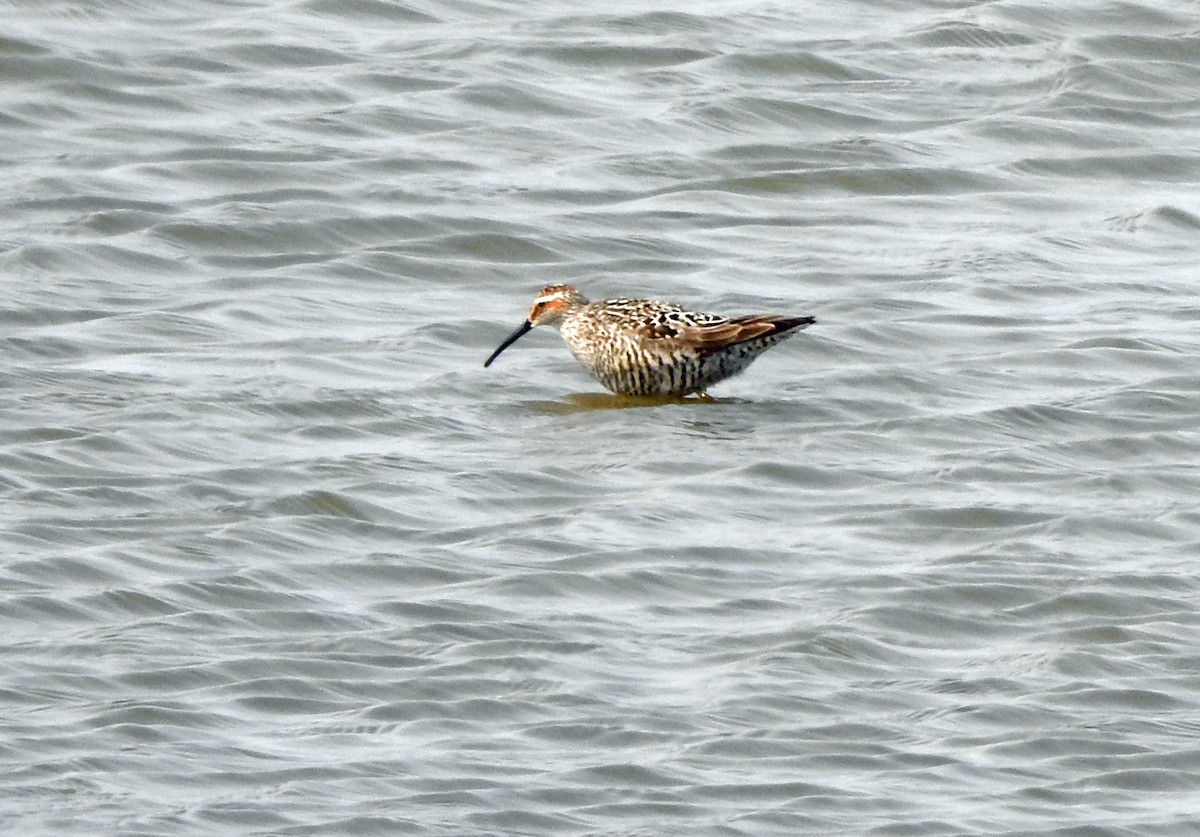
[281, 557]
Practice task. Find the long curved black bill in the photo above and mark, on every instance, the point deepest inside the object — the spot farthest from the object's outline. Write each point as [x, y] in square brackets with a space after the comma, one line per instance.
[508, 341]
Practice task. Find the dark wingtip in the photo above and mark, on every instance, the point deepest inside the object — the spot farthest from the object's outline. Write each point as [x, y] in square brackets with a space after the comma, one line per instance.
[790, 323]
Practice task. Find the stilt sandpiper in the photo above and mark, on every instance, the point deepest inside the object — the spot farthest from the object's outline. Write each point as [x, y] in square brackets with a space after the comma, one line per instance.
[645, 347]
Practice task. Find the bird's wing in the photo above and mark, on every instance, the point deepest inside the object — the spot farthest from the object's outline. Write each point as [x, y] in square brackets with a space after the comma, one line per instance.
[720, 332]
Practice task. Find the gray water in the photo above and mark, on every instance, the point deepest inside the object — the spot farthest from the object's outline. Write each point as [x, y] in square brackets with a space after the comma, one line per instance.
[280, 556]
